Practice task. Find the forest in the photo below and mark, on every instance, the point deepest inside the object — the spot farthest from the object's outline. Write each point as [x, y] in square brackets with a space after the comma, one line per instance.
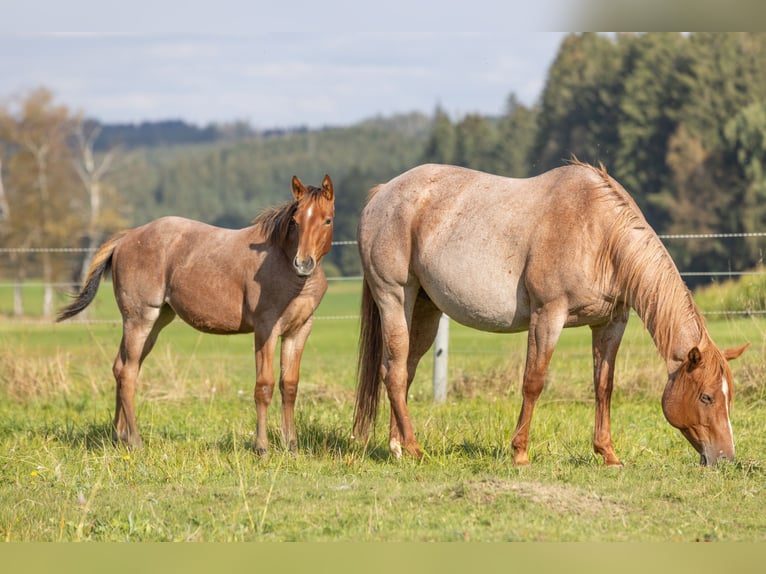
[678, 119]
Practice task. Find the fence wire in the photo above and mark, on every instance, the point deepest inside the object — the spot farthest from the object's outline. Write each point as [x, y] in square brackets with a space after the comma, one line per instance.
[679, 236]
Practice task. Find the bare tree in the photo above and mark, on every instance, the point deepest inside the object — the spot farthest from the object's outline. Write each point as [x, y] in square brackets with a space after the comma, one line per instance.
[91, 174]
[42, 183]
[40, 151]
[5, 231]
[5, 210]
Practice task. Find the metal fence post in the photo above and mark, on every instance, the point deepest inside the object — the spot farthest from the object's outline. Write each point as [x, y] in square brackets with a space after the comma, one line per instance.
[441, 345]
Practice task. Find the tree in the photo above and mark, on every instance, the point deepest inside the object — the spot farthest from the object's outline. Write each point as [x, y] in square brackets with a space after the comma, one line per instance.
[91, 169]
[714, 155]
[5, 231]
[579, 103]
[745, 135]
[655, 70]
[40, 179]
[476, 143]
[442, 142]
[516, 135]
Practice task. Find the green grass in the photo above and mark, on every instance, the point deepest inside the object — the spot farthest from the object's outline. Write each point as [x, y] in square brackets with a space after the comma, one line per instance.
[197, 478]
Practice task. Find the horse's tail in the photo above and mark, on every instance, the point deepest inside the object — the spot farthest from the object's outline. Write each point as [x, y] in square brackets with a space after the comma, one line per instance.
[101, 263]
[368, 372]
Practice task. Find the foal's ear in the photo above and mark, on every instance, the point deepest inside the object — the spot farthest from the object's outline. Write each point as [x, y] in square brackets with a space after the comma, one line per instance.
[327, 189]
[730, 354]
[299, 190]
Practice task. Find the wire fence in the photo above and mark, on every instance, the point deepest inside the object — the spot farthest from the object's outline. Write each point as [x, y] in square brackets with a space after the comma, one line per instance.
[441, 346]
[346, 243]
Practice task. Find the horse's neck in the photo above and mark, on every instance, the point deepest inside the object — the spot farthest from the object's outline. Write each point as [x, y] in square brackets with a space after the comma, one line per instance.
[672, 319]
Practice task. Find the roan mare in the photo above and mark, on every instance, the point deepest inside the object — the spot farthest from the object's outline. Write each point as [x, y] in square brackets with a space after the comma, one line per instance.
[567, 248]
[264, 279]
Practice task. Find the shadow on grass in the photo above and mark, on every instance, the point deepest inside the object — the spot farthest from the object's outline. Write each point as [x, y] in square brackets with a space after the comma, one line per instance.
[93, 436]
[317, 440]
[314, 439]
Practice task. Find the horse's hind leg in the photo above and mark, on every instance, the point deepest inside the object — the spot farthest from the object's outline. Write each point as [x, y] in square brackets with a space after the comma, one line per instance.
[138, 338]
[606, 341]
[423, 328]
[395, 314]
[544, 329]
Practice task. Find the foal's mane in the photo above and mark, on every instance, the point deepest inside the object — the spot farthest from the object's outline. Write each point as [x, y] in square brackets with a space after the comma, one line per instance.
[639, 268]
[275, 221]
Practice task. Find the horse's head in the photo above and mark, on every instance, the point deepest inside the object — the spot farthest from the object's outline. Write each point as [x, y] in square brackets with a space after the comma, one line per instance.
[313, 221]
[697, 401]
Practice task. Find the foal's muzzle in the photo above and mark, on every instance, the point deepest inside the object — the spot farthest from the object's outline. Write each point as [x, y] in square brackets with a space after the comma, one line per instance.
[304, 267]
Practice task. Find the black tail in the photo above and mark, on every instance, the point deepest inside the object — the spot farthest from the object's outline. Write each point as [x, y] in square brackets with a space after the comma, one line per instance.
[368, 366]
[101, 263]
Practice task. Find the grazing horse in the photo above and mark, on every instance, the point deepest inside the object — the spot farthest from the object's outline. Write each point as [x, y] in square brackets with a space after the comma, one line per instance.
[564, 249]
[264, 279]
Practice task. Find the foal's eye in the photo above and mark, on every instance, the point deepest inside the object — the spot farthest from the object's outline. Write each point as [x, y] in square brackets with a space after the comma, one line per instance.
[706, 399]
[328, 221]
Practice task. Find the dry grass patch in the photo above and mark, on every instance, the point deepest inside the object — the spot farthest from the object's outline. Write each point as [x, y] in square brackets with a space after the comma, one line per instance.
[28, 377]
[559, 498]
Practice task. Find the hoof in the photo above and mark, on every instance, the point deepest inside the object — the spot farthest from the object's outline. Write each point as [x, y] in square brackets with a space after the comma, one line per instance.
[127, 441]
[521, 459]
[414, 451]
[610, 459]
[395, 447]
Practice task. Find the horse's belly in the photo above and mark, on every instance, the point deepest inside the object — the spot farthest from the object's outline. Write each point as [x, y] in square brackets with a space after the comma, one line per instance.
[487, 304]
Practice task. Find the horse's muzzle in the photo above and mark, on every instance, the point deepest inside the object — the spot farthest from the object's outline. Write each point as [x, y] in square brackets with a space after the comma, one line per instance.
[709, 459]
[304, 267]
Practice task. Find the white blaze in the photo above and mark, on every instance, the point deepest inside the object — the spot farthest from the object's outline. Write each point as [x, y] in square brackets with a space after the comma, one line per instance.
[725, 390]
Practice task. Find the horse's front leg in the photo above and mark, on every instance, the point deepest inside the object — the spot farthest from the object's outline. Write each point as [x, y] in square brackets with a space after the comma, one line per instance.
[264, 388]
[290, 362]
[606, 341]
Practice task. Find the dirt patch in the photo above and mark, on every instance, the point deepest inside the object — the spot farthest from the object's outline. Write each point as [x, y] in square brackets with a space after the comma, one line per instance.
[558, 498]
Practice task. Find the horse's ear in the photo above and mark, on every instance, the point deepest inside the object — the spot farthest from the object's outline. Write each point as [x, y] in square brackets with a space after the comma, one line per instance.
[299, 190]
[327, 189]
[730, 354]
[694, 357]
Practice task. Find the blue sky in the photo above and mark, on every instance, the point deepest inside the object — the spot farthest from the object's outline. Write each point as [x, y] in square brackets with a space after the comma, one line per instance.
[327, 62]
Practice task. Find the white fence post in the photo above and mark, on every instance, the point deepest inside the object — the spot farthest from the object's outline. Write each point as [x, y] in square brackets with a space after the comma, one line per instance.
[440, 360]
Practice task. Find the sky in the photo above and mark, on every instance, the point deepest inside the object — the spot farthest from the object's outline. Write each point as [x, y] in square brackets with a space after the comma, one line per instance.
[277, 64]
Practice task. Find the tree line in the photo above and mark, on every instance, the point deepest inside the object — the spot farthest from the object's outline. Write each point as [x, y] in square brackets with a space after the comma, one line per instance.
[678, 119]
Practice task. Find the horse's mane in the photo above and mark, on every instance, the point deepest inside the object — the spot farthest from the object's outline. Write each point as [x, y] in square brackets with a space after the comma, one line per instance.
[274, 222]
[640, 268]
[374, 191]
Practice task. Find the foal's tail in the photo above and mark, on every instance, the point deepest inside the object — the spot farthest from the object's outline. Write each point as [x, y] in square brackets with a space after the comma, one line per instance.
[101, 263]
[368, 372]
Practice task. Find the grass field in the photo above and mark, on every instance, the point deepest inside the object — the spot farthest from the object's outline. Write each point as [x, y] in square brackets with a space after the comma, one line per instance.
[197, 479]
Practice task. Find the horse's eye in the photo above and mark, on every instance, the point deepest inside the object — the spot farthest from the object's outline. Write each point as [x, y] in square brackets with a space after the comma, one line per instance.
[706, 399]
[328, 221]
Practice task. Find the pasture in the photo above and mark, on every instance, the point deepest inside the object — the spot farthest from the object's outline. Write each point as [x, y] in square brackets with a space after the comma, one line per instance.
[197, 478]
